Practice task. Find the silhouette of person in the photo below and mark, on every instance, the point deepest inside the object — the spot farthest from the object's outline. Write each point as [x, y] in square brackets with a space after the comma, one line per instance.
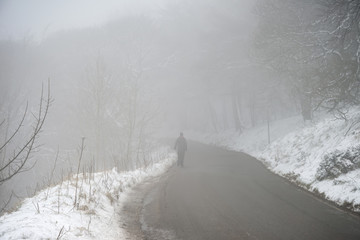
[181, 147]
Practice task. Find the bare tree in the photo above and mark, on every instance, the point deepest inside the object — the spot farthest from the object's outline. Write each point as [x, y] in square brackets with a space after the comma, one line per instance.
[16, 163]
[317, 44]
[337, 36]
[96, 94]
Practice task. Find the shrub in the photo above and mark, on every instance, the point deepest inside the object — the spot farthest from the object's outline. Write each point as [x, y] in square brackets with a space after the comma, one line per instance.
[338, 162]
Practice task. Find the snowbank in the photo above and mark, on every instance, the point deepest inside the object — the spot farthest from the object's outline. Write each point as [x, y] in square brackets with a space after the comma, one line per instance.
[251, 141]
[51, 213]
[323, 156]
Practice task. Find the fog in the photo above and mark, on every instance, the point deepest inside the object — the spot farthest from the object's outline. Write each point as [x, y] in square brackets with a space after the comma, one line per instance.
[123, 74]
[37, 19]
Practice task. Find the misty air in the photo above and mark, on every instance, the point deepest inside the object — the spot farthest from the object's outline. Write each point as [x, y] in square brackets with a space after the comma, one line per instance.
[184, 119]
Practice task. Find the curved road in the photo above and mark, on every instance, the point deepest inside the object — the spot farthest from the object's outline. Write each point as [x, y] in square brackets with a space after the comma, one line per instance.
[221, 194]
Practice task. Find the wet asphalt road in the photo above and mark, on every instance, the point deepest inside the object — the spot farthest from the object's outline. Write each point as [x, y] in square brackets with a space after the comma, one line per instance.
[221, 194]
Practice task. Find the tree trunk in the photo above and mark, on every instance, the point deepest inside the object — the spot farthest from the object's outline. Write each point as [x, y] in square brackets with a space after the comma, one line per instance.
[306, 109]
[236, 114]
[213, 117]
[224, 115]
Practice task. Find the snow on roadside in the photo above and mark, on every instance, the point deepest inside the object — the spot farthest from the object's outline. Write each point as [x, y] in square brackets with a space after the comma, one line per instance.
[302, 157]
[251, 141]
[51, 213]
[323, 156]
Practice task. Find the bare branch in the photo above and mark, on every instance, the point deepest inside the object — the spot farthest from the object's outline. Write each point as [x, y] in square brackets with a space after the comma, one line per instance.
[7, 202]
[16, 163]
[78, 169]
[16, 130]
[2, 122]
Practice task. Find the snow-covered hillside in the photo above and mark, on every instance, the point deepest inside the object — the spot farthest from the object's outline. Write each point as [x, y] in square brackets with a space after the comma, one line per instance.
[51, 214]
[322, 156]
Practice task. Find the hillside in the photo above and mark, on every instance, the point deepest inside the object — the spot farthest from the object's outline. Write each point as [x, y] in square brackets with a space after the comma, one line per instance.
[322, 156]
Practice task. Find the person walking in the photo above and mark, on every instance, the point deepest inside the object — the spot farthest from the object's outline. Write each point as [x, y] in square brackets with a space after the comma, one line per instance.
[181, 147]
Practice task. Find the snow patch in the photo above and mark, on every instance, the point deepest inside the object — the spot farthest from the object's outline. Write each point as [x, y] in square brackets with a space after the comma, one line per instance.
[96, 215]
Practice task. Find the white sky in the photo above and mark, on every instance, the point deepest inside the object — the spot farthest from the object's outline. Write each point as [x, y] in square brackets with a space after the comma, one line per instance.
[36, 18]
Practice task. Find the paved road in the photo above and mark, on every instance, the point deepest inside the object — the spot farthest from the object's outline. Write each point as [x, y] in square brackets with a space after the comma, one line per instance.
[226, 195]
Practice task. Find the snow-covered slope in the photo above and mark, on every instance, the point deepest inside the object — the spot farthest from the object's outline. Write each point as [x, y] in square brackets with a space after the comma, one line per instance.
[251, 141]
[323, 156]
[51, 214]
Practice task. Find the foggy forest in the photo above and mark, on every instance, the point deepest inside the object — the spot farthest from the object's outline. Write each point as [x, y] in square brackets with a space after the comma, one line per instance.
[94, 95]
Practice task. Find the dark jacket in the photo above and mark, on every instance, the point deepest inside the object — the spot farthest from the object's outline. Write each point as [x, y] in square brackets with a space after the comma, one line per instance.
[181, 144]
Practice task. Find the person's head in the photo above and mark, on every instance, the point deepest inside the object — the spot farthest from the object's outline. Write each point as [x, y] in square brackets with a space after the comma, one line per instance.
[181, 134]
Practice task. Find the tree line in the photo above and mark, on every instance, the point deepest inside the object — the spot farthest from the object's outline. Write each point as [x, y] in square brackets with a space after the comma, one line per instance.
[315, 43]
